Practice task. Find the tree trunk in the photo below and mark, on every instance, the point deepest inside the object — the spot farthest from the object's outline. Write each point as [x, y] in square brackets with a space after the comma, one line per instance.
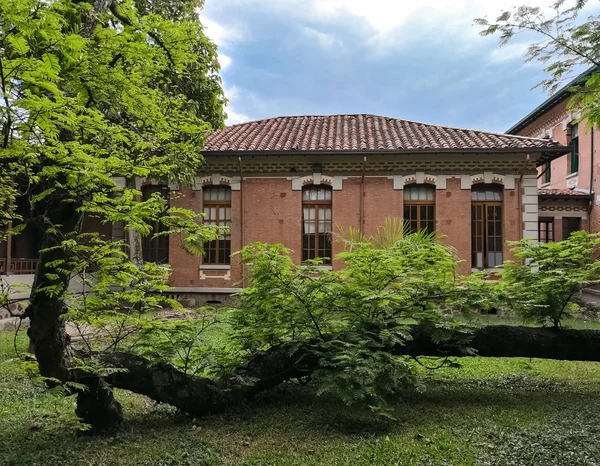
[47, 333]
[199, 396]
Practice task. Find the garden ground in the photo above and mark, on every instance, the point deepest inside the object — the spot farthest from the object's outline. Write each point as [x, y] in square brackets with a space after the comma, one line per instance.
[489, 411]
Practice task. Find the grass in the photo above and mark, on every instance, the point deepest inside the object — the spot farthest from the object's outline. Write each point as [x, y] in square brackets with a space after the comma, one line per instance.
[488, 412]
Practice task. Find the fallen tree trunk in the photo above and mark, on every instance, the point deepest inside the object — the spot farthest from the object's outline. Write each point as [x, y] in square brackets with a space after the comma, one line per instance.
[505, 341]
[264, 371]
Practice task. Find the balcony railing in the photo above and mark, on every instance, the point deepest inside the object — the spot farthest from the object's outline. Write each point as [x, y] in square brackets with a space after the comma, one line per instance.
[18, 266]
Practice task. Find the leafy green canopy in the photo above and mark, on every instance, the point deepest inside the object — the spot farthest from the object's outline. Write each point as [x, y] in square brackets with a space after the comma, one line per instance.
[92, 91]
[562, 42]
[540, 285]
[353, 318]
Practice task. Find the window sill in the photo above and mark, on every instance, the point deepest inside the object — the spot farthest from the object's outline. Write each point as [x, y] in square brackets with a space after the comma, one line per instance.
[319, 267]
[215, 267]
[488, 269]
[545, 185]
[571, 175]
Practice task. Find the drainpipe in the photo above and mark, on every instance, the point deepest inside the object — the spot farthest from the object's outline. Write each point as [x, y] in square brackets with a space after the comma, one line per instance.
[591, 207]
[362, 195]
[9, 240]
[520, 193]
[242, 206]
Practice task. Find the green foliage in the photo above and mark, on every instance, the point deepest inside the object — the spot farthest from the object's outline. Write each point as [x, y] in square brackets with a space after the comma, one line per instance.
[563, 44]
[180, 342]
[92, 93]
[540, 285]
[351, 318]
[356, 372]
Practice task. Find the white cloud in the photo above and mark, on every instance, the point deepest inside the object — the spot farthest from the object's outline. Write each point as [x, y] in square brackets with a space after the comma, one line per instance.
[233, 118]
[323, 39]
[509, 52]
[233, 95]
[221, 33]
[224, 60]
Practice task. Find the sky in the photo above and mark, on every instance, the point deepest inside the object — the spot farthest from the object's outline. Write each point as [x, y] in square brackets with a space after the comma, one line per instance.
[416, 60]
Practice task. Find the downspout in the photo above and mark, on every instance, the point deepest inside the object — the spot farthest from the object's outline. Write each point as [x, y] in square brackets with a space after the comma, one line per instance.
[591, 207]
[9, 240]
[242, 206]
[362, 195]
[520, 193]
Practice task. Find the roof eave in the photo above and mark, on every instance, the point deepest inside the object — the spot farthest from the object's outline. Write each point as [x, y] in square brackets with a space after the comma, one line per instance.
[566, 196]
[554, 151]
[560, 95]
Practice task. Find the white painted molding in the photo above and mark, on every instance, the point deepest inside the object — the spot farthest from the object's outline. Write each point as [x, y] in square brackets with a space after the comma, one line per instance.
[466, 182]
[216, 179]
[236, 183]
[441, 182]
[399, 182]
[336, 182]
[418, 178]
[119, 181]
[509, 181]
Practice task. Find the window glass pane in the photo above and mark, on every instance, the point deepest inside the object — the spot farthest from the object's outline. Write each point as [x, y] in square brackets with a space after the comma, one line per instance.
[419, 192]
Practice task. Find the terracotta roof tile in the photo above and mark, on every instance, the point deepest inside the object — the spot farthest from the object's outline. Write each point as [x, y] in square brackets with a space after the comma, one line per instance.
[561, 192]
[356, 133]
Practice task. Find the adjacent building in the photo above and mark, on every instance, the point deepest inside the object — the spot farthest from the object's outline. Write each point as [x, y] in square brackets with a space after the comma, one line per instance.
[566, 184]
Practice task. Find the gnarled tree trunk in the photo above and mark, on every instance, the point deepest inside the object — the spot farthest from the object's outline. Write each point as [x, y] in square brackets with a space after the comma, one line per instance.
[199, 396]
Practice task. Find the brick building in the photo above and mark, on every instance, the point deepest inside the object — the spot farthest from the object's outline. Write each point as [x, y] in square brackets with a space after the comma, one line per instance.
[566, 184]
[296, 180]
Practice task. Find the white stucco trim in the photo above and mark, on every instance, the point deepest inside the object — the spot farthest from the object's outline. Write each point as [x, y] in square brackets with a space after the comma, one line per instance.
[530, 206]
[336, 182]
[216, 179]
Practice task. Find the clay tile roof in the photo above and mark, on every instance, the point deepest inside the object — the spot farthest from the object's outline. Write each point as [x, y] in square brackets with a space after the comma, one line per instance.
[360, 133]
[561, 193]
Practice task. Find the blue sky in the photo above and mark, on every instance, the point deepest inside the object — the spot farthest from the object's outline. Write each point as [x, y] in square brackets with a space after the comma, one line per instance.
[422, 61]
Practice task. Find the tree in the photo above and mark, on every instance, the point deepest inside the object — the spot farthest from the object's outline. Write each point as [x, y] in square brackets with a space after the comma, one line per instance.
[541, 284]
[564, 45]
[94, 90]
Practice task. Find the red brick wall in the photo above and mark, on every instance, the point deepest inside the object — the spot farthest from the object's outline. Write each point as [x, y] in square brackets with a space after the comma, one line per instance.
[381, 201]
[453, 220]
[273, 214]
[345, 213]
[184, 266]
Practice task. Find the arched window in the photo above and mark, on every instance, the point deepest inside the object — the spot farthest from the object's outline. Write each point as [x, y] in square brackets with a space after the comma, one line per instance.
[486, 226]
[217, 211]
[155, 249]
[419, 207]
[316, 223]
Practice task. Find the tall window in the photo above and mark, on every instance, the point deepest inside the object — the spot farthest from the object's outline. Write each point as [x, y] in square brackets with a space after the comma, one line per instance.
[547, 173]
[419, 207]
[155, 249]
[316, 223]
[574, 164]
[546, 229]
[217, 211]
[570, 224]
[486, 226]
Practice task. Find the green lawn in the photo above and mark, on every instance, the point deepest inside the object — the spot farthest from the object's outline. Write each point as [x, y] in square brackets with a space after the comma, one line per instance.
[490, 411]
